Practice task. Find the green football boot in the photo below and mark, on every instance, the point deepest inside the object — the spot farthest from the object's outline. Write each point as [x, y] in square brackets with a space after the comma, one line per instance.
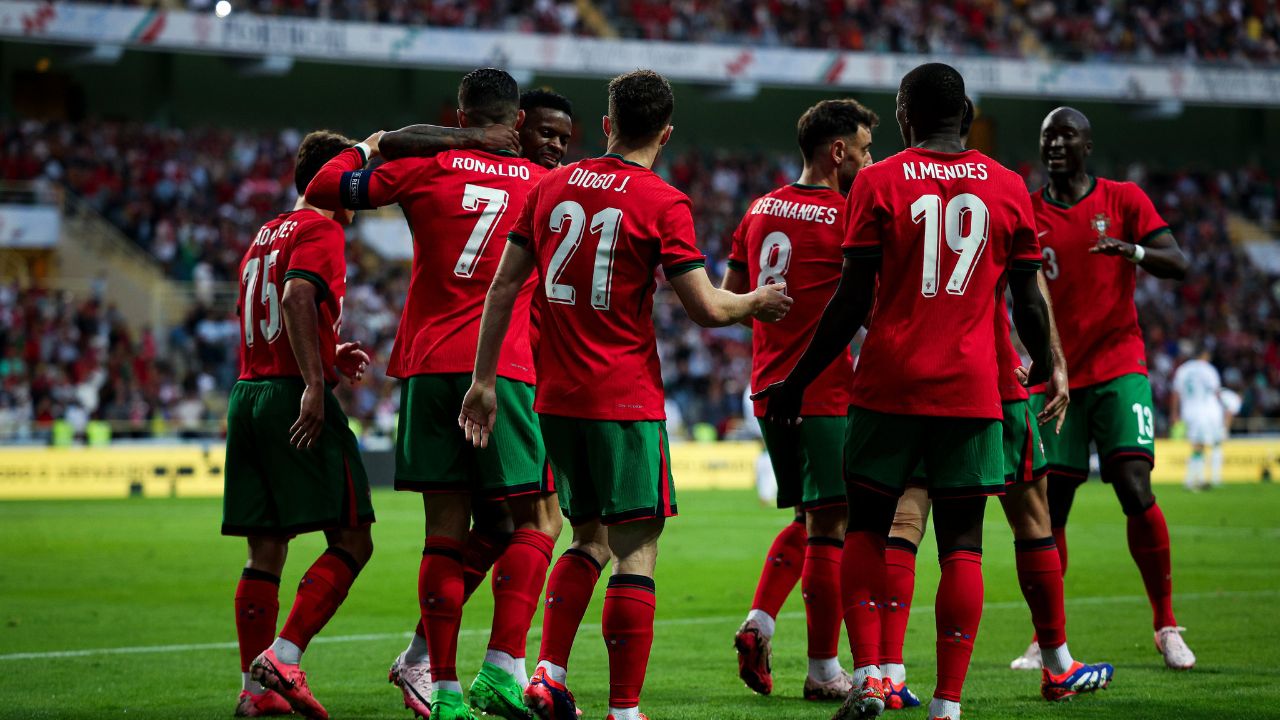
[496, 692]
[448, 705]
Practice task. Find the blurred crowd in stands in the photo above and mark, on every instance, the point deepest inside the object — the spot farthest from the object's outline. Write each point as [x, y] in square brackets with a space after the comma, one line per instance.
[1208, 30]
[193, 199]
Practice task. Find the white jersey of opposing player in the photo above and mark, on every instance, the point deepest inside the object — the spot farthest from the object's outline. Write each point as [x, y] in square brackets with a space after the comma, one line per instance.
[1197, 383]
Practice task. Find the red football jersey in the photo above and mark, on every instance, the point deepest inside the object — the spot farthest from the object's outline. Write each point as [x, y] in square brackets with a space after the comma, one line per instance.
[599, 229]
[946, 227]
[1093, 294]
[793, 235]
[300, 244]
[456, 203]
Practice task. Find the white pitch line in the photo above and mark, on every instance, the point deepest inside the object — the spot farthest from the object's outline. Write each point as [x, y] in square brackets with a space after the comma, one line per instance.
[671, 622]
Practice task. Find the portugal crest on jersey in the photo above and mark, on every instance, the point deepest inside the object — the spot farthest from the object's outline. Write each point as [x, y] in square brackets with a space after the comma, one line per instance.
[1101, 223]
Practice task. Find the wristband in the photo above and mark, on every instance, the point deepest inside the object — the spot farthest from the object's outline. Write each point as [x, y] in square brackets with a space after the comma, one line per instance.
[1139, 252]
[364, 150]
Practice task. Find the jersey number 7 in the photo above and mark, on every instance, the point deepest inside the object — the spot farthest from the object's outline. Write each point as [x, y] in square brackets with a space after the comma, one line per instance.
[495, 203]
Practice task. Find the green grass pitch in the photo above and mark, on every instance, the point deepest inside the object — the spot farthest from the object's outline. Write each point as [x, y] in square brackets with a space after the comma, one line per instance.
[153, 580]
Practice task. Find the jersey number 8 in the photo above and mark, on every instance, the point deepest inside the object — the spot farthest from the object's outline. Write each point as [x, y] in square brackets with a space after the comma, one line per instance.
[775, 258]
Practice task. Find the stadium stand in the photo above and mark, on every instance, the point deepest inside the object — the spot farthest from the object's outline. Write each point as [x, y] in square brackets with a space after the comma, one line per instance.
[1242, 31]
[193, 198]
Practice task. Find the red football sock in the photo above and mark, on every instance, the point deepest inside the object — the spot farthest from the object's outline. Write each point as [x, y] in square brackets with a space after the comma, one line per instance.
[440, 596]
[899, 587]
[1060, 541]
[569, 589]
[323, 588]
[782, 569]
[627, 625]
[1149, 545]
[517, 585]
[862, 583]
[257, 607]
[820, 584]
[479, 554]
[1040, 575]
[958, 609]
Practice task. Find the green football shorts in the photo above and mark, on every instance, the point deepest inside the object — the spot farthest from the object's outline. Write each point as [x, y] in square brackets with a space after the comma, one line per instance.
[808, 461]
[434, 456]
[961, 457]
[1024, 459]
[613, 470]
[1023, 451]
[1115, 415]
[273, 489]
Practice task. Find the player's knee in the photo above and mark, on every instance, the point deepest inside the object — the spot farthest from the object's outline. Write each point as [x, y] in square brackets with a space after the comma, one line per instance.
[1061, 493]
[1027, 510]
[358, 544]
[826, 522]
[957, 523]
[1131, 481]
[592, 538]
[870, 511]
[267, 554]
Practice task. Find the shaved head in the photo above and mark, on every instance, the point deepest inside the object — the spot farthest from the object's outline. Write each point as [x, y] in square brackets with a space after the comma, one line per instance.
[1066, 141]
[1071, 117]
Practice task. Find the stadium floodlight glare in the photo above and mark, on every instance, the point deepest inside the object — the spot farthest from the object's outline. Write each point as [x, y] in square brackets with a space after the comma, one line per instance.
[222, 9]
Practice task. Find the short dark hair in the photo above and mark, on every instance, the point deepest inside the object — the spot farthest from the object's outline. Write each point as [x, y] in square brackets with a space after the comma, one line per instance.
[542, 98]
[316, 149]
[831, 119]
[489, 94]
[640, 104]
[933, 95]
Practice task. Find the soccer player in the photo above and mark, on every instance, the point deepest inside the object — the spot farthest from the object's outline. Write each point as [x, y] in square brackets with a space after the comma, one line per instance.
[597, 231]
[543, 138]
[456, 202]
[1025, 507]
[793, 235]
[1095, 233]
[1195, 400]
[293, 465]
[931, 234]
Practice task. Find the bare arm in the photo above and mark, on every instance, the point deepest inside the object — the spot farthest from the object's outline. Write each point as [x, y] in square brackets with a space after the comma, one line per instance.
[710, 306]
[1161, 256]
[1059, 391]
[480, 406]
[301, 319]
[426, 140]
[735, 281]
[844, 314]
[1175, 407]
[1032, 318]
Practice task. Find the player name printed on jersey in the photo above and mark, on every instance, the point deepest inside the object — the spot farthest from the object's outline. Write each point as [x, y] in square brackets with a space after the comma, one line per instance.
[299, 245]
[943, 171]
[471, 163]
[599, 228]
[456, 203]
[793, 235]
[946, 227]
[792, 210]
